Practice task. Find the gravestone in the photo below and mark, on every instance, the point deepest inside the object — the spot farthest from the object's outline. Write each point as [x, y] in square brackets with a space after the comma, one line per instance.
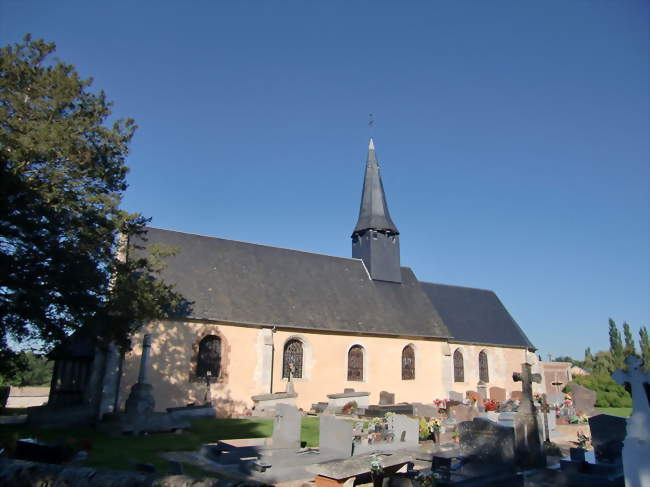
[405, 429]
[528, 436]
[335, 436]
[462, 412]
[487, 442]
[386, 397]
[497, 394]
[456, 396]
[583, 399]
[555, 399]
[516, 395]
[607, 435]
[509, 406]
[286, 427]
[636, 447]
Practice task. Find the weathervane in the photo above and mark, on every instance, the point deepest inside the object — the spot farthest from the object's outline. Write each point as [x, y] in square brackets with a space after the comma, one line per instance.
[371, 123]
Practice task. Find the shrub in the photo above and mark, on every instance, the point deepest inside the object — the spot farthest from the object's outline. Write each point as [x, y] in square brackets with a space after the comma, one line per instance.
[608, 392]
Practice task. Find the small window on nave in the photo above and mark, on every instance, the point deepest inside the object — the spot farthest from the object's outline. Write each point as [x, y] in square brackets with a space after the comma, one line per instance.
[355, 363]
[459, 367]
[483, 373]
[208, 363]
[292, 359]
[408, 363]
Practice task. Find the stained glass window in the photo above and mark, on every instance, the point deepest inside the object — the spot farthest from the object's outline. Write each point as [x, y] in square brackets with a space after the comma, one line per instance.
[292, 356]
[355, 363]
[408, 363]
[459, 367]
[483, 373]
[209, 360]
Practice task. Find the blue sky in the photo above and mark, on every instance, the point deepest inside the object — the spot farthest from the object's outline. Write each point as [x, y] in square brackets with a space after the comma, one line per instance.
[512, 136]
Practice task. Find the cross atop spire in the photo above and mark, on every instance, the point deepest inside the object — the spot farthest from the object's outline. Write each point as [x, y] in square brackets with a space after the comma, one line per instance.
[373, 212]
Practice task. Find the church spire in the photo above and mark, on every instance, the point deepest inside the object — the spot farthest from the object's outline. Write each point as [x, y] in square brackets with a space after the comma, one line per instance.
[375, 238]
[373, 212]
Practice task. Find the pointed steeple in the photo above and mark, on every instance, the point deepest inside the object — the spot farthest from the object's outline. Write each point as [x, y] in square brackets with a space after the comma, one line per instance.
[373, 212]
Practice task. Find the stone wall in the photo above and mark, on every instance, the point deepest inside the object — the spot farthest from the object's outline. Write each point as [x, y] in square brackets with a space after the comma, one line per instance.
[25, 397]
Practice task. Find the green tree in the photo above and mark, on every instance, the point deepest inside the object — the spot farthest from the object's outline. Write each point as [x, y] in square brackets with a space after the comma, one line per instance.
[644, 345]
[616, 345]
[603, 363]
[589, 360]
[629, 340]
[62, 177]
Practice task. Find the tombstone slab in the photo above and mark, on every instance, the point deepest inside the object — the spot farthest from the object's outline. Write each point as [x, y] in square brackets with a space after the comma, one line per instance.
[461, 413]
[487, 442]
[335, 436]
[286, 427]
[456, 396]
[497, 394]
[516, 395]
[583, 399]
[607, 435]
[386, 397]
[555, 399]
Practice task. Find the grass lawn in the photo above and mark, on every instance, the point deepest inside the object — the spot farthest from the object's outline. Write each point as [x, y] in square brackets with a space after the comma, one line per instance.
[625, 412]
[115, 451]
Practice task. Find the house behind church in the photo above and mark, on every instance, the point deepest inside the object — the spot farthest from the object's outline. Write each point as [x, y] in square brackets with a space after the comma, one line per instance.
[261, 313]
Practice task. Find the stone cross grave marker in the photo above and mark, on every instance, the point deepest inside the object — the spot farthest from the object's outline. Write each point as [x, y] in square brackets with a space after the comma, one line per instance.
[636, 447]
[545, 409]
[527, 435]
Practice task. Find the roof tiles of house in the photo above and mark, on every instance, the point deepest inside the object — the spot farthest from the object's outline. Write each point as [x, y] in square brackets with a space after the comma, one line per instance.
[247, 283]
[475, 316]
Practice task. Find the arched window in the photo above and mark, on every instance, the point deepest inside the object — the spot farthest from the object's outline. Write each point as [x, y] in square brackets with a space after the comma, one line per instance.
[408, 363]
[292, 355]
[355, 363]
[459, 367]
[483, 373]
[208, 363]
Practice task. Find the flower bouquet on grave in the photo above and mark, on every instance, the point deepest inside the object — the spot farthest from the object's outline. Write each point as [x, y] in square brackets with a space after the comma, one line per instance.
[435, 427]
[583, 440]
[349, 407]
[427, 478]
[490, 405]
[376, 470]
[441, 404]
[455, 436]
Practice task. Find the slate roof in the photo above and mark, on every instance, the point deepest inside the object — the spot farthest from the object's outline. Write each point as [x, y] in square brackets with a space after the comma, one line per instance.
[248, 283]
[475, 316]
[373, 211]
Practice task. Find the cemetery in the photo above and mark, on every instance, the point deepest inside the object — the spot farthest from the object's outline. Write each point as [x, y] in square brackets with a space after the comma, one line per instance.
[480, 439]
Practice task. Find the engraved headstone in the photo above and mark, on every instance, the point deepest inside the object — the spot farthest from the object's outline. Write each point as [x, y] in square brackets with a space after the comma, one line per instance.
[583, 399]
[335, 436]
[497, 394]
[487, 441]
[636, 448]
[607, 435]
[456, 396]
[286, 427]
[386, 397]
[404, 429]
[461, 412]
[555, 399]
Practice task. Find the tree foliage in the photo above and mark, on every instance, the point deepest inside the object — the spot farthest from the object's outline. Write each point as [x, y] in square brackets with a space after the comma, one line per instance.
[629, 340]
[609, 394]
[62, 177]
[616, 345]
[31, 370]
[644, 345]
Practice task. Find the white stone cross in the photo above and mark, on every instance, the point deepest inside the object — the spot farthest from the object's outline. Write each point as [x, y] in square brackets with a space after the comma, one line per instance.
[636, 447]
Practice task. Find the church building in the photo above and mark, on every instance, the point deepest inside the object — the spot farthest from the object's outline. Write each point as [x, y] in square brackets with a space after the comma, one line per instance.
[260, 314]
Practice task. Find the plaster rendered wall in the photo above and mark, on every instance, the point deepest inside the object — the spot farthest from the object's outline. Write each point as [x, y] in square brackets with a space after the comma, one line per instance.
[325, 367]
[502, 362]
[247, 354]
[172, 363]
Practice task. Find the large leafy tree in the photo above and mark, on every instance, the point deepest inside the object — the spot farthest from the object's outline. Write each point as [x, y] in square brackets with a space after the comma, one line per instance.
[62, 177]
[630, 349]
[644, 345]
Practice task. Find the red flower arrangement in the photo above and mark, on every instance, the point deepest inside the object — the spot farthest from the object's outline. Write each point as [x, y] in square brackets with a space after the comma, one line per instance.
[490, 405]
